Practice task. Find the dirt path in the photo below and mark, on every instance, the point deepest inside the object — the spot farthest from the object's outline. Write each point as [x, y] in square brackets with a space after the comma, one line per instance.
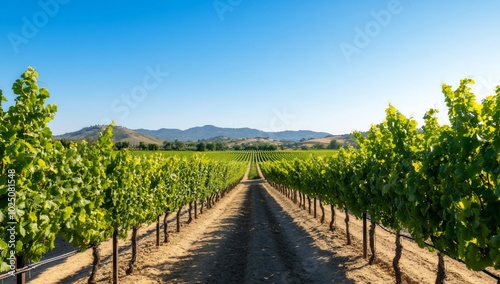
[256, 241]
[256, 235]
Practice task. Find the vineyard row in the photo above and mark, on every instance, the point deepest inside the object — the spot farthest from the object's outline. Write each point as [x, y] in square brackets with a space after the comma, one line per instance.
[86, 193]
[439, 182]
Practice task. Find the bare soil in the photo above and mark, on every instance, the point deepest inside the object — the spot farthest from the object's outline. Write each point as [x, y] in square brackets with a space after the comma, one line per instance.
[256, 235]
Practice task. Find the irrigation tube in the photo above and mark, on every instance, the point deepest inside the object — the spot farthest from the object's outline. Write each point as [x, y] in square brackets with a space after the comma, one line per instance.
[30, 267]
[489, 273]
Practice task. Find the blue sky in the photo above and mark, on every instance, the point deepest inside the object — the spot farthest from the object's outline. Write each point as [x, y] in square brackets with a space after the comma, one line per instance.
[277, 65]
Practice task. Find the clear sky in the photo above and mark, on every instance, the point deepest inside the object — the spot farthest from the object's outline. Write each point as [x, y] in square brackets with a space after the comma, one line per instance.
[275, 65]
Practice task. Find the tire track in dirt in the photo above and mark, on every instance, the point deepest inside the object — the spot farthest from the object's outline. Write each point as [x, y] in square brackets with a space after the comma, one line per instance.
[270, 245]
[219, 253]
[230, 262]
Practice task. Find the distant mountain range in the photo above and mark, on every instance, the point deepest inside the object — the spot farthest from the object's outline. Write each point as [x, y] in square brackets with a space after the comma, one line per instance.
[210, 131]
[192, 134]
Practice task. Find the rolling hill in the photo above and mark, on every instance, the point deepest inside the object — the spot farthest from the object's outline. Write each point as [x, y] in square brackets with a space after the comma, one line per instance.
[342, 139]
[210, 131]
[120, 134]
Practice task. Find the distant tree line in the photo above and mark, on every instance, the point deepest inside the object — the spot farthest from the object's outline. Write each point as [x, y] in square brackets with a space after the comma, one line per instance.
[256, 146]
[200, 146]
[203, 145]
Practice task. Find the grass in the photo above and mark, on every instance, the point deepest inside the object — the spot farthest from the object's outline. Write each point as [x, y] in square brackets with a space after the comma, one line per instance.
[253, 173]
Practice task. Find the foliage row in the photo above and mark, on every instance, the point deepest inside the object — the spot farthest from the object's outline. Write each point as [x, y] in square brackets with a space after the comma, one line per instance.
[441, 182]
[85, 192]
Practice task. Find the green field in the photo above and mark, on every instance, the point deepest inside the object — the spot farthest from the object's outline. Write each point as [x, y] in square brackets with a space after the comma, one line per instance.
[258, 155]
